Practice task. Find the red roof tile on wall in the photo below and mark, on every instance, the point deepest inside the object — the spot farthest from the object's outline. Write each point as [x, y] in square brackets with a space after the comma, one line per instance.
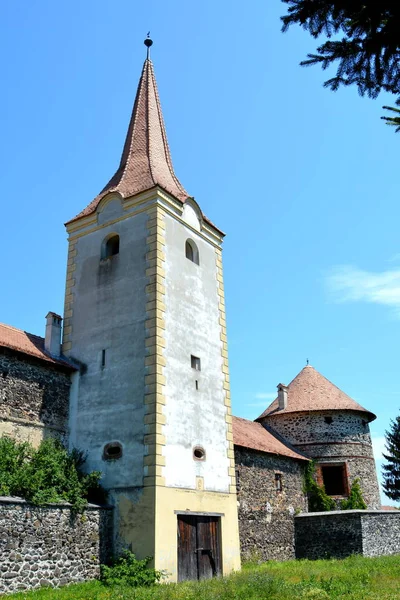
[27, 343]
[311, 391]
[250, 434]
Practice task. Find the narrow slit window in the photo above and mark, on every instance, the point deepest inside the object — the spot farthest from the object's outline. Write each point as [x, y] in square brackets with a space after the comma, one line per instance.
[278, 482]
[103, 358]
[197, 384]
[195, 362]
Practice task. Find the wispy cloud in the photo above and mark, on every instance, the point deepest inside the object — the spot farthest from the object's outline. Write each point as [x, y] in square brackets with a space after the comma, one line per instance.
[378, 444]
[262, 397]
[349, 284]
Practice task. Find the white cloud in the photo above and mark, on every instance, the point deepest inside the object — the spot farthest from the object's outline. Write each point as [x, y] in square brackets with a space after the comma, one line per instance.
[378, 444]
[351, 284]
[262, 397]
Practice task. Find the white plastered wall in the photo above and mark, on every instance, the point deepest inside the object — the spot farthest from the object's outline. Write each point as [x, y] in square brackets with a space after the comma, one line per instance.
[194, 417]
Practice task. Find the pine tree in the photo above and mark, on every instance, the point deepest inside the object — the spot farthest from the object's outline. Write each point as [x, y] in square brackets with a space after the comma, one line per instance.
[368, 53]
[394, 121]
[391, 470]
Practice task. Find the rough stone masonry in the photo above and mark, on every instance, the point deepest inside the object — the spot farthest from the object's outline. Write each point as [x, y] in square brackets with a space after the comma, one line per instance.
[50, 546]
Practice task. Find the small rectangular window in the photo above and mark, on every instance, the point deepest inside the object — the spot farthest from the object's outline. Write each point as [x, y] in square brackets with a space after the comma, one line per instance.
[103, 358]
[278, 482]
[195, 362]
[335, 479]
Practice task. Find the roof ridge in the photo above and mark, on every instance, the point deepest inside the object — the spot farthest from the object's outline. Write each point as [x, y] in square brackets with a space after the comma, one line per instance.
[21, 330]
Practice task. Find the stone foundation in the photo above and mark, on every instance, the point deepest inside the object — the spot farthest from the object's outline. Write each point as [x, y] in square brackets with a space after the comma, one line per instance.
[50, 546]
[338, 534]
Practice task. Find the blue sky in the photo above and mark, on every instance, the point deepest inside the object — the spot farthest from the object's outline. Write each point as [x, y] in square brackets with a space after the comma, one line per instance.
[303, 181]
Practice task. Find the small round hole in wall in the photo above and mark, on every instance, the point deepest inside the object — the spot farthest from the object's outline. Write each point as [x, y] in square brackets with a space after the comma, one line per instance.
[199, 453]
[112, 451]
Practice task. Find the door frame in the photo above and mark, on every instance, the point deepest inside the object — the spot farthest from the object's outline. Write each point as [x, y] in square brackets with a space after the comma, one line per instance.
[190, 513]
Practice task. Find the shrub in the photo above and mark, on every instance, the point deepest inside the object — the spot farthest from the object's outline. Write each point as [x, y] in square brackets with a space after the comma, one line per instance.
[318, 499]
[355, 499]
[47, 474]
[128, 570]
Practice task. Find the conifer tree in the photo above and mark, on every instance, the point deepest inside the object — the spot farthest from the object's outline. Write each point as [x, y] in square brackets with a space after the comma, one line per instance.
[394, 121]
[391, 470]
[363, 42]
[368, 54]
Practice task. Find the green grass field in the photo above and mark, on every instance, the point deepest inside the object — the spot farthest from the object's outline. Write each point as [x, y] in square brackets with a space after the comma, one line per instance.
[355, 578]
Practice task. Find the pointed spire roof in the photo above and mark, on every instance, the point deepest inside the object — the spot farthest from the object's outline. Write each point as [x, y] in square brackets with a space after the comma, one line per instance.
[146, 159]
[311, 391]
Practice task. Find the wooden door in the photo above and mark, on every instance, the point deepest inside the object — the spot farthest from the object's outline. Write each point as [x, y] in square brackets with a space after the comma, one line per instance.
[199, 555]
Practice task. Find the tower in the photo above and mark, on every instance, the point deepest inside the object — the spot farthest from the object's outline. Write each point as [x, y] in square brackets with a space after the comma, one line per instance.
[328, 426]
[145, 316]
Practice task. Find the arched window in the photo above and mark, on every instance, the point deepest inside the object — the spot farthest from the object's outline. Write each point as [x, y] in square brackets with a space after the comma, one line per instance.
[110, 246]
[192, 252]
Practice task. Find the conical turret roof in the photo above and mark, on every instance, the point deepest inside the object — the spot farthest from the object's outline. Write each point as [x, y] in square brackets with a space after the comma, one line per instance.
[311, 391]
[146, 159]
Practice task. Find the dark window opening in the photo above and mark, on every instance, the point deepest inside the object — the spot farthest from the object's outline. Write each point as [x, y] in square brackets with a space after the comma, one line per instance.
[197, 384]
[335, 479]
[199, 453]
[278, 482]
[195, 362]
[112, 451]
[237, 473]
[111, 247]
[191, 252]
[103, 358]
[4, 374]
[328, 420]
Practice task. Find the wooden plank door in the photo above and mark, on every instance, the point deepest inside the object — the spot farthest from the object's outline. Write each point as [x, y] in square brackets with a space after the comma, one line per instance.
[208, 553]
[199, 551]
[187, 556]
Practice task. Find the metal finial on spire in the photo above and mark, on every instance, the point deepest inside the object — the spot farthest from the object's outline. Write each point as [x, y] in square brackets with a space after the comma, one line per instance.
[307, 362]
[148, 43]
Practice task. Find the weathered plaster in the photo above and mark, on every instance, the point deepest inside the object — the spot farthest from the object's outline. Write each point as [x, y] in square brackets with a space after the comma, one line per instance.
[195, 416]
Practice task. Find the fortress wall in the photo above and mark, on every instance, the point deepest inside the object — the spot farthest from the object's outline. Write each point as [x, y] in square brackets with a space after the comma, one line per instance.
[339, 534]
[50, 546]
[34, 398]
[266, 516]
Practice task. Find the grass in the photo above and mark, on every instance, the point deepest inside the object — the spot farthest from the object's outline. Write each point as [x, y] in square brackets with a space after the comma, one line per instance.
[355, 578]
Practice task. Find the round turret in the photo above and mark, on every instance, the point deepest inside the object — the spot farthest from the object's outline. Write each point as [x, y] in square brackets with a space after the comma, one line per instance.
[325, 424]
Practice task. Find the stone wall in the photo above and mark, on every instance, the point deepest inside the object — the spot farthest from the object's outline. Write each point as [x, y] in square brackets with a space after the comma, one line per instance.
[266, 524]
[334, 437]
[34, 397]
[49, 546]
[339, 534]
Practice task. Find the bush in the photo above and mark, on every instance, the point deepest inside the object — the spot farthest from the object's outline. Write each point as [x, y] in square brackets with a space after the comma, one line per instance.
[318, 499]
[355, 500]
[47, 474]
[127, 570]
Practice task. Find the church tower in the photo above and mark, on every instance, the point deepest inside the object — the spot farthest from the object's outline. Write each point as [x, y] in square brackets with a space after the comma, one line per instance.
[145, 317]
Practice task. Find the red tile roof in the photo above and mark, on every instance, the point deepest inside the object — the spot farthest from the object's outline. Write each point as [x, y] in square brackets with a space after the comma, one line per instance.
[250, 434]
[146, 159]
[27, 343]
[311, 391]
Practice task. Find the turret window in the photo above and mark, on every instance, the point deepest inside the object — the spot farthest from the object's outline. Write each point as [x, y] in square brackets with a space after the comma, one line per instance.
[110, 246]
[191, 251]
